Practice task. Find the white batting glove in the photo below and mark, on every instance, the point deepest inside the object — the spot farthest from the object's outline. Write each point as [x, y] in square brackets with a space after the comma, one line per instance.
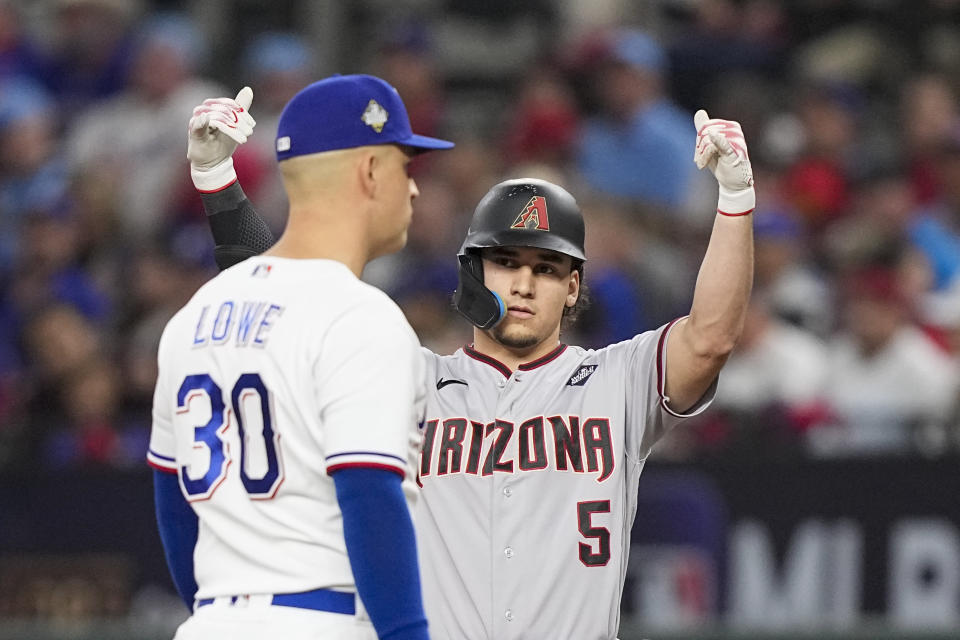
[216, 128]
[722, 147]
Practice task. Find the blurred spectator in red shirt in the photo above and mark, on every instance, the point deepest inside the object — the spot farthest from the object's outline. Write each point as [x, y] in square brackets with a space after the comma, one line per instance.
[928, 111]
[544, 126]
[817, 185]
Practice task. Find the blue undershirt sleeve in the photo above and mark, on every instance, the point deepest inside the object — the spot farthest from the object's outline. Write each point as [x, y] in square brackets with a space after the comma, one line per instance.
[383, 551]
[178, 527]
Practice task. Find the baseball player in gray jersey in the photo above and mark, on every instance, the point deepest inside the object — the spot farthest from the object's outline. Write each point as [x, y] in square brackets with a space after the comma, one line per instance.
[532, 449]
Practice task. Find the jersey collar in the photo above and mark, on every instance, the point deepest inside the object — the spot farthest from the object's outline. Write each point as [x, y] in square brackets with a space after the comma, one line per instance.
[526, 366]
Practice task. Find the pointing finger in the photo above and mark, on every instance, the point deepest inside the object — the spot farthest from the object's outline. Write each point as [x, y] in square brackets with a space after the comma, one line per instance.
[245, 98]
[700, 118]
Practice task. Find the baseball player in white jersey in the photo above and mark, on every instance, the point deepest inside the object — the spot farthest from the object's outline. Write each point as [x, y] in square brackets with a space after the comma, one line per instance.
[532, 449]
[284, 422]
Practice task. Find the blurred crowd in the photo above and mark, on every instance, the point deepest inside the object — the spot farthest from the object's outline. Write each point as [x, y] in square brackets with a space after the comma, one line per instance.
[850, 109]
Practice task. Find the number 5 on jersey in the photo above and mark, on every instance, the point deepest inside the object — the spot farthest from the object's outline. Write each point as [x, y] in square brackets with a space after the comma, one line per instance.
[200, 481]
[585, 511]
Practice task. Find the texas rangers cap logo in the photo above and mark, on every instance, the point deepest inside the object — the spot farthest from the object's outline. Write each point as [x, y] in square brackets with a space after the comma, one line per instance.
[533, 215]
[375, 116]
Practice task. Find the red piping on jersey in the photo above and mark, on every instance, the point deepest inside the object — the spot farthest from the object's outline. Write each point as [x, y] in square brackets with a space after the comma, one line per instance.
[484, 358]
[365, 465]
[504, 369]
[159, 468]
[539, 362]
[660, 344]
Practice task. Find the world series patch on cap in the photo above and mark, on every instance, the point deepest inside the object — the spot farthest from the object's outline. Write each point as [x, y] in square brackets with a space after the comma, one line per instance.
[342, 112]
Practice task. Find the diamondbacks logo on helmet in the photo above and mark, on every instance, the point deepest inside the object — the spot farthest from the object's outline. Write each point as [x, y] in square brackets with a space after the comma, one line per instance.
[533, 216]
[375, 116]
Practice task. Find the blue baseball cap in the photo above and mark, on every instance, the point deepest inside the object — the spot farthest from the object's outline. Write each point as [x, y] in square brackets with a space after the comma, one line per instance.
[342, 112]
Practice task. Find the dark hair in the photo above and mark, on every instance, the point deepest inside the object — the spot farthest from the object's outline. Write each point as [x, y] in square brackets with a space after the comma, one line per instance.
[571, 314]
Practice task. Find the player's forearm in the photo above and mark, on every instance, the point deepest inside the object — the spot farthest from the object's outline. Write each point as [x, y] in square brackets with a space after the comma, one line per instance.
[723, 289]
[726, 275]
[698, 346]
[238, 231]
[178, 525]
[381, 544]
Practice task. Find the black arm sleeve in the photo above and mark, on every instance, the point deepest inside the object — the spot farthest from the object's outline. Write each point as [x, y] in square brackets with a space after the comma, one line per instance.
[238, 232]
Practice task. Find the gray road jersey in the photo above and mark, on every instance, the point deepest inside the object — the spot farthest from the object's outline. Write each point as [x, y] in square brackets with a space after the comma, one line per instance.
[530, 487]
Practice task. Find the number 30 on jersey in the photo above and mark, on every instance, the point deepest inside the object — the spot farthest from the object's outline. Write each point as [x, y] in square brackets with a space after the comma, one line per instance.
[200, 396]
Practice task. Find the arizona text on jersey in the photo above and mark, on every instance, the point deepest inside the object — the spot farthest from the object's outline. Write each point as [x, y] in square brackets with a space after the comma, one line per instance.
[539, 505]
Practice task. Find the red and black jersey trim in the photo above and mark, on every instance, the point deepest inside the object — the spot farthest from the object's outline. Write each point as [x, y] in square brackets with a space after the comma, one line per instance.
[353, 461]
[159, 468]
[526, 366]
[661, 372]
[166, 464]
[493, 362]
[333, 468]
[539, 362]
[661, 356]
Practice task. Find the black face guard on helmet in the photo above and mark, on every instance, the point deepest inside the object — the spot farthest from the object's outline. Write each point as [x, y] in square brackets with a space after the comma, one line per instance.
[517, 213]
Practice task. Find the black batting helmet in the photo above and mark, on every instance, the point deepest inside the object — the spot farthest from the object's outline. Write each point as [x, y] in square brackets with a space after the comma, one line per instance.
[526, 212]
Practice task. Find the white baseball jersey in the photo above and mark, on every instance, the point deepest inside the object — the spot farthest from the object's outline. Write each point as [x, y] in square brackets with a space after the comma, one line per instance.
[276, 373]
[529, 487]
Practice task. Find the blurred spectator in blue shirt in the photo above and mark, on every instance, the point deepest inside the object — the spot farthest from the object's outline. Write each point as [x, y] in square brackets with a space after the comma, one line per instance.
[278, 65]
[49, 270]
[424, 274]
[795, 290]
[32, 175]
[135, 140]
[619, 304]
[639, 145]
[92, 48]
[406, 59]
[935, 232]
[18, 54]
[95, 431]
[58, 342]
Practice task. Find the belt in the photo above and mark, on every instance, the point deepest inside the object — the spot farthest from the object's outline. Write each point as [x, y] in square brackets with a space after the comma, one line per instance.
[317, 600]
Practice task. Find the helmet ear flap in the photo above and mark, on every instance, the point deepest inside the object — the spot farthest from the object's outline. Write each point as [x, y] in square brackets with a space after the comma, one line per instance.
[473, 300]
[472, 260]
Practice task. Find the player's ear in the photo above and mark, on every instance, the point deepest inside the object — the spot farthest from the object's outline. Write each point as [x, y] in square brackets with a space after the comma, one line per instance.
[573, 288]
[368, 168]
